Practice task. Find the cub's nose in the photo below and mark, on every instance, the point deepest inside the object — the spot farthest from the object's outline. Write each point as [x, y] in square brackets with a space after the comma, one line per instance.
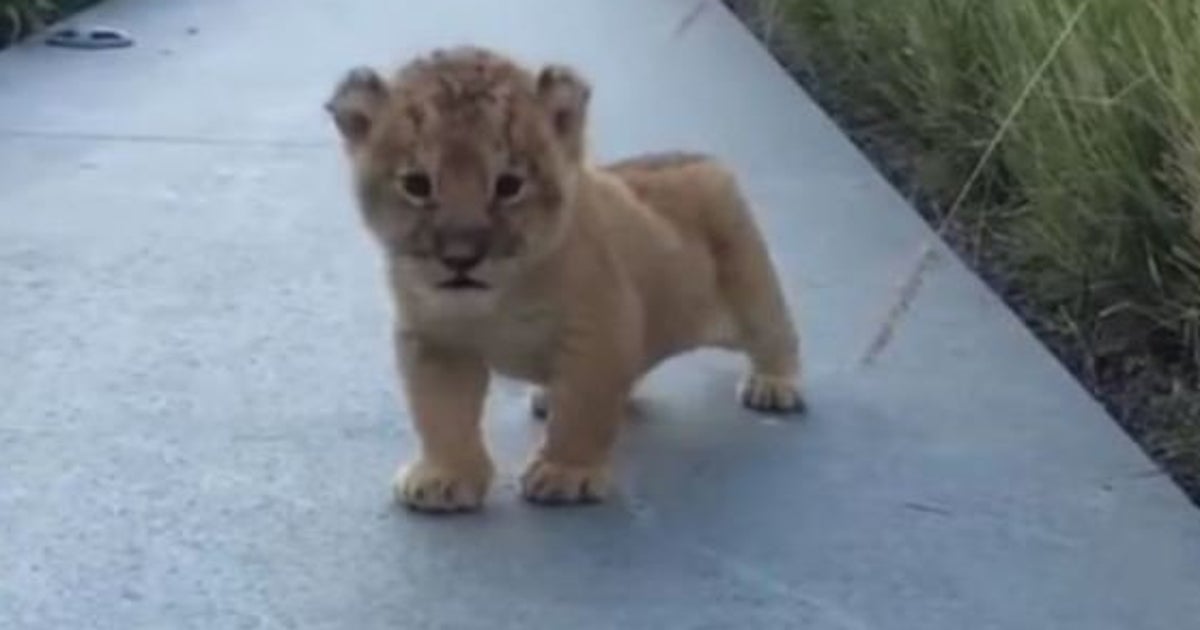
[461, 262]
[461, 250]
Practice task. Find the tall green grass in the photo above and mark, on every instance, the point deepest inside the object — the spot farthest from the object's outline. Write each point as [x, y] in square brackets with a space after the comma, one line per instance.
[1092, 201]
[19, 18]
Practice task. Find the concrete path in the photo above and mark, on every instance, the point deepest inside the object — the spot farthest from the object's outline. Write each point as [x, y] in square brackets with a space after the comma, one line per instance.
[198, 418]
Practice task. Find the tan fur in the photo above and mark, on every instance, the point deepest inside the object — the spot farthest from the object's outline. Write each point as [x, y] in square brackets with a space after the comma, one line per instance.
[589, 277]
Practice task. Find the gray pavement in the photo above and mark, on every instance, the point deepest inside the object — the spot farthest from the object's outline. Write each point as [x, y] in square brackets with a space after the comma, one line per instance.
[198, 419]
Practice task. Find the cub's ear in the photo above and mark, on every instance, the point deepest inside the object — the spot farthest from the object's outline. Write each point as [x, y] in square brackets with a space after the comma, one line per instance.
[356, 102]
[565, 95]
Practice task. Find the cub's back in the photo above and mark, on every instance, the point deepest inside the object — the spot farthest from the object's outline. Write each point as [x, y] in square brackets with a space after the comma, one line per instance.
[692, 191]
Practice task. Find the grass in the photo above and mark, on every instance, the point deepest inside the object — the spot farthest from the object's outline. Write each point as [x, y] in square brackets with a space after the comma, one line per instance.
[19, 18]
[1086, 212]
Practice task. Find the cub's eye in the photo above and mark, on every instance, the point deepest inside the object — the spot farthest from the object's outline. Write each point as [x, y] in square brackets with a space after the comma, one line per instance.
[417, 185]
[508, 186]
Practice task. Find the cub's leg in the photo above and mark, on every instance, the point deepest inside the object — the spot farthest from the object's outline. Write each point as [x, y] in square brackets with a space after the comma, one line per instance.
[446, 392]
[539, 404]
[765, 331]
[572, 465]
[585, 402]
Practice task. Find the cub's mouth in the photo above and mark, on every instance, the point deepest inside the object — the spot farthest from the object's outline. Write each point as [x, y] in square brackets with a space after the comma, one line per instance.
[462, 283]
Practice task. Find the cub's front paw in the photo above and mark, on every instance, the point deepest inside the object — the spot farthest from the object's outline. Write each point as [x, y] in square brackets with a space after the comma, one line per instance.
[430, 487]
[548, 483]
[771, 394]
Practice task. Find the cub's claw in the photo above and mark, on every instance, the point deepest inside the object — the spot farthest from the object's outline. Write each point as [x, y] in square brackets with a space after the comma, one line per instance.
[771, 394]
[549, 483]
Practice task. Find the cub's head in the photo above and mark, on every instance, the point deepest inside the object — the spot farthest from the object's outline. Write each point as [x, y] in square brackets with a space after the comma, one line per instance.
[465, 164]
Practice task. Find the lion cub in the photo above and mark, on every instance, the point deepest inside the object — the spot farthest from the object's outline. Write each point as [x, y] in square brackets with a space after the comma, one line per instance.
[509, 251]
